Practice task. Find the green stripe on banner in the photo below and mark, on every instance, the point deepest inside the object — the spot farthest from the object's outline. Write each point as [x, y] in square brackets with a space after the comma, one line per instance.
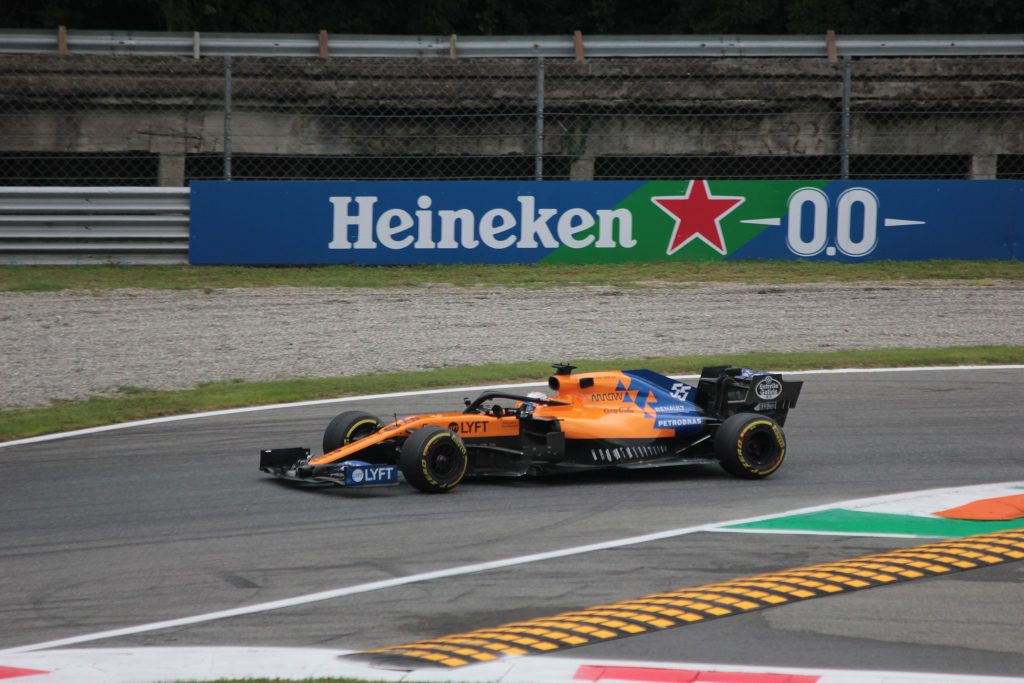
[853, 521]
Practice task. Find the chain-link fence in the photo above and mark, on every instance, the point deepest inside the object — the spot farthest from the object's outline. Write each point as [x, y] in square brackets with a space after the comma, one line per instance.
[87, 119]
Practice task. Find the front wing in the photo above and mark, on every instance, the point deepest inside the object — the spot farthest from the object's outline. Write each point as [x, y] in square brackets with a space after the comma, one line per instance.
[292, 464]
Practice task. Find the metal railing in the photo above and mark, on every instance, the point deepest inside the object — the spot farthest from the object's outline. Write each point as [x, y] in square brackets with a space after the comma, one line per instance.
[55, 225]
[574, 46]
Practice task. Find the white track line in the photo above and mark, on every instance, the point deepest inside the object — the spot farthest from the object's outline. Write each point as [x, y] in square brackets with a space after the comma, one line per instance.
[433, 392]
[152, 664]
[439, 574]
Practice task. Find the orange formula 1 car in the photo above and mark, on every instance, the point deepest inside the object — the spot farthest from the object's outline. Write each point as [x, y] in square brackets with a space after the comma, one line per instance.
[630, 419]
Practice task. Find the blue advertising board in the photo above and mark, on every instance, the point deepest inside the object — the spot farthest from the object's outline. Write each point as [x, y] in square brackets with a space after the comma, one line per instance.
[392, 223]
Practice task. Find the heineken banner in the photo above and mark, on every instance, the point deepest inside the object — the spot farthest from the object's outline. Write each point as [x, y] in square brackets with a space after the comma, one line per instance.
[384, 223]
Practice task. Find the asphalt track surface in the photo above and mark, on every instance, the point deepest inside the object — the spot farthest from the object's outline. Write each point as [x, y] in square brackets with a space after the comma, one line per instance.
[172, 520]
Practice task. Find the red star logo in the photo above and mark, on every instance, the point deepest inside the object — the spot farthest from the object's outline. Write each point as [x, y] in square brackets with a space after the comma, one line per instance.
[697, 213]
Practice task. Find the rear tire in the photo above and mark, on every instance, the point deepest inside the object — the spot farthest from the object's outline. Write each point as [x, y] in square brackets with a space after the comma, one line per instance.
[750, 446]
[433, 459]
[347, 427]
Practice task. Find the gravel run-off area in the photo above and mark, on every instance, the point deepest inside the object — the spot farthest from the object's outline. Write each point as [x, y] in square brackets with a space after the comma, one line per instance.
[74, 344]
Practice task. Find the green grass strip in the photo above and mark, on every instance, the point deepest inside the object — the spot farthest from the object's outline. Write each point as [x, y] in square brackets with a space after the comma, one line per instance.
[92, 277]
[140, 403]
[855, 521]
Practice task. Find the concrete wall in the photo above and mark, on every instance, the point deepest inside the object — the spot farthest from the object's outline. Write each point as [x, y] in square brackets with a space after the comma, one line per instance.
[400, 108]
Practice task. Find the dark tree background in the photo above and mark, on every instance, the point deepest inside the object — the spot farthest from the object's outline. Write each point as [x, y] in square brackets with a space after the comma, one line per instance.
[508, 17]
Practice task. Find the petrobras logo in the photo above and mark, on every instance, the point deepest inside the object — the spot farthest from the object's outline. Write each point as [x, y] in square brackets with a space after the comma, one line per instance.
[666, 422]
[358, 223]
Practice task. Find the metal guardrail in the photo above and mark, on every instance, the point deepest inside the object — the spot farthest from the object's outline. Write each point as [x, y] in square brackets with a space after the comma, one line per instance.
[312, 45]
[60, 225]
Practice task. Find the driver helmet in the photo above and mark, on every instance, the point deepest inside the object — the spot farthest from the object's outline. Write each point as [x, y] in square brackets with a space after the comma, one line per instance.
[526, 408]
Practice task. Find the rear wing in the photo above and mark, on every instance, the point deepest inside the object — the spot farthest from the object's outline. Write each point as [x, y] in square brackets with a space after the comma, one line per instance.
[724, 390]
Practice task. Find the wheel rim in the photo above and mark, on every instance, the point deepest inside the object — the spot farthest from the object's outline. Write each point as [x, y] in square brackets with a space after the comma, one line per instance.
[444, 460]
[760, 448]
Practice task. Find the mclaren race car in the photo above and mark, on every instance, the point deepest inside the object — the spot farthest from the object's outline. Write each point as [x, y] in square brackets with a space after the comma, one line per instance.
[627, 419]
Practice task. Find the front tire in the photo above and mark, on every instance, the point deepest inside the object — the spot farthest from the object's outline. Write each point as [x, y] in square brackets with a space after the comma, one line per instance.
[433, 459]
[347, 427]
[750, 446]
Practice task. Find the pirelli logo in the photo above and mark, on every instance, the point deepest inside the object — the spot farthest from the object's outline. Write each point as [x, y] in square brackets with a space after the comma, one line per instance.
[694, 605]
